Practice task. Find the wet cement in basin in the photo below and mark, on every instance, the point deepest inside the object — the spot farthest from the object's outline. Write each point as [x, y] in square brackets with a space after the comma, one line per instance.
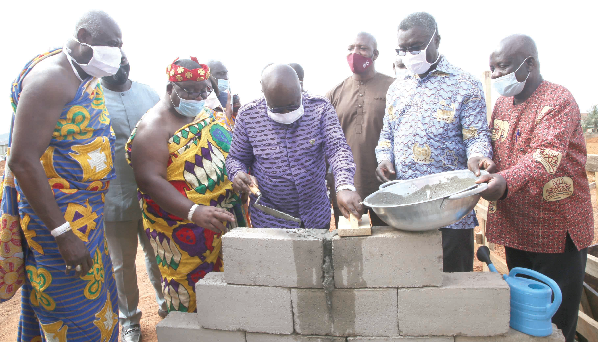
[428, 192]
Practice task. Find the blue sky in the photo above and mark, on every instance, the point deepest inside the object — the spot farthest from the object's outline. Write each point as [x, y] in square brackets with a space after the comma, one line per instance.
[247, 35]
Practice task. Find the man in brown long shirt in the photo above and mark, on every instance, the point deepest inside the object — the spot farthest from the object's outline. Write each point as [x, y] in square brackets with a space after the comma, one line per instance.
[360, 102]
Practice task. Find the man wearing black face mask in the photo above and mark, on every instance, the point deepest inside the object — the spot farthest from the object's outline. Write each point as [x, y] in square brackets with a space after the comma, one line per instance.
[359, 103]
[126, 102]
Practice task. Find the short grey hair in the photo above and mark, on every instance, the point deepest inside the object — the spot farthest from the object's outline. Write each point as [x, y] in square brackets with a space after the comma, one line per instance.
[421, 19]
[92, 22]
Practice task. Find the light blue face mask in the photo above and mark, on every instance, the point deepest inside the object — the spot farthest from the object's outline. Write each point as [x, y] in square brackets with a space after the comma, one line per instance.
[222, 84]
[188, 108]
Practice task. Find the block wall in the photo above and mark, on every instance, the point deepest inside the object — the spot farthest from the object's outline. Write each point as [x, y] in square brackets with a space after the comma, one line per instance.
[312, 286]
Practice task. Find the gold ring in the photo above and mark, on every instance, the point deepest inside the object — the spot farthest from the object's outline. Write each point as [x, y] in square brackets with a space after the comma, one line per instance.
[68, 267]
[78, 268]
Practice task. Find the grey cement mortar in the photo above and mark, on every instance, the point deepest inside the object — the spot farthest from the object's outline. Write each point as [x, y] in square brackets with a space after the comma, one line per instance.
[328, 272]
[426, 193]
[516, 336]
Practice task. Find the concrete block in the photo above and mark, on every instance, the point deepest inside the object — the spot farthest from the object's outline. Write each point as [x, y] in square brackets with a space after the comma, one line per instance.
[468, 304]
[247, 308]
[252, 337]
[409, 259]
[274, 257]
[183, 327]
[401, 339]
[515, 336]
[354, 312]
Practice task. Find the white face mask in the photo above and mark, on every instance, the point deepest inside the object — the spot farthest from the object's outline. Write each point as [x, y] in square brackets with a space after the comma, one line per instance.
[104, 62]
[508, 85]
[418, 64]
[287, 118]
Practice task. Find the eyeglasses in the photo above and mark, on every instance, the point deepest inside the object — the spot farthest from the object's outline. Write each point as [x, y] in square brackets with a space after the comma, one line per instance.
[193, 95]
[284, 109]
[415, 50]
[412, 50]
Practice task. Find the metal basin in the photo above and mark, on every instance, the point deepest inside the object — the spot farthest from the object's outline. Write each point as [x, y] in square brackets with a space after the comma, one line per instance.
[430, 214]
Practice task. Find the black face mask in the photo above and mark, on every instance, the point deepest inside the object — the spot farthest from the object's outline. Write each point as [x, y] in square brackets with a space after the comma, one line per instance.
[121, 76]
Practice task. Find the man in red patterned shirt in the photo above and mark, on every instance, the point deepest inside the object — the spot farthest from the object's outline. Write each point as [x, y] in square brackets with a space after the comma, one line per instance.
[540, 207]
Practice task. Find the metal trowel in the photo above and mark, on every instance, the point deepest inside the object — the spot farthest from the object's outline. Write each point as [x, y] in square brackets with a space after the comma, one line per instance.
[254, 190]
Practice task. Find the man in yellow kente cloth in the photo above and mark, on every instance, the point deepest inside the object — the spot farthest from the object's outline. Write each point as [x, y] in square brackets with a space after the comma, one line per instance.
[177, 153]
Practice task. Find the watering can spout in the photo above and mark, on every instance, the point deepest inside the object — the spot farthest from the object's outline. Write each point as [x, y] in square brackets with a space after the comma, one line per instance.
[483, 255]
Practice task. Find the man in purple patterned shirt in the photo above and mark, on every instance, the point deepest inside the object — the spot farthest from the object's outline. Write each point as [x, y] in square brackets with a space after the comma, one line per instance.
[285, 138]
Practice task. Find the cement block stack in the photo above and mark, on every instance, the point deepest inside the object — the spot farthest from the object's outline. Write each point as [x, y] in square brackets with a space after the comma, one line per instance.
[311, 286]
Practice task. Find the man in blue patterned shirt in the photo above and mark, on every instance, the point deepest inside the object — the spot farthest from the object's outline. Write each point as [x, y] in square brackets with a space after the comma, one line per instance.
[435, 121]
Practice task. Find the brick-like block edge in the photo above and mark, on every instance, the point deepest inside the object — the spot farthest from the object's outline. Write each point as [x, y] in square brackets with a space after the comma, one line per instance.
[183, 327]
[274, 257]
[253, 337]
[516, 336]
[401, 339]
[467, 304]
[248, 308]
[388, 258]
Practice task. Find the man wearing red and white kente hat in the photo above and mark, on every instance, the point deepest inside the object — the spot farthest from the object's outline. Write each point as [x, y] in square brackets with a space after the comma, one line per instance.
[177, 153]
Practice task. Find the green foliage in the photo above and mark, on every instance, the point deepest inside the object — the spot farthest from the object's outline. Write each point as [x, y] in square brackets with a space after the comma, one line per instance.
[591, 121]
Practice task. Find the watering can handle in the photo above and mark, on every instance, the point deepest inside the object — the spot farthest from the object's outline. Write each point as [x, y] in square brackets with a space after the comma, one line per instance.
[558, 296]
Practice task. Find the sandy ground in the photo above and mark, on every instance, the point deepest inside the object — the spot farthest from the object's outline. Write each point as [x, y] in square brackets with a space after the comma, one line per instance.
[592, 148]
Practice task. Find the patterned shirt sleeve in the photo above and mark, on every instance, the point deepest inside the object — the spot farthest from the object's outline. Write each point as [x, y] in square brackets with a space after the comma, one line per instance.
[385, 142]
[476, 135]
[240, 157]
[338, 152]
[555, 127]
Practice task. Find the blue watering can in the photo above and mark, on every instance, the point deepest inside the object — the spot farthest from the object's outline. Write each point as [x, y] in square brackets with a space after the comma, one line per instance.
[531, 306]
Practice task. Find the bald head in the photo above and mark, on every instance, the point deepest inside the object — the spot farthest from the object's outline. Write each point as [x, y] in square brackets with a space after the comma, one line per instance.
[511, 53]
[218, 70]
[369, 39]
[95, 24]
[298, 69]
[280, 85]
[519, 45]
[517, 54]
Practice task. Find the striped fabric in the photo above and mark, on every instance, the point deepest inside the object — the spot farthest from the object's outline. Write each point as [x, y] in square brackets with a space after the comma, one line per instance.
[78, 164]
[289, 161]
